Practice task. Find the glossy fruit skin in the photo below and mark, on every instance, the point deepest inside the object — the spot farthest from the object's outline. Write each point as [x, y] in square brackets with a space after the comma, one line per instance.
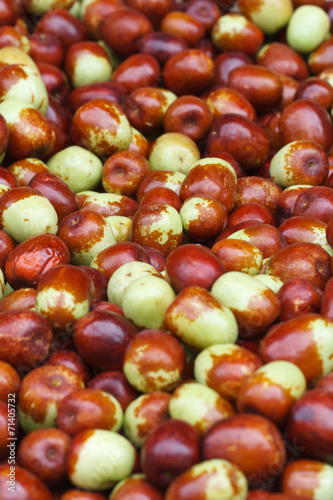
[144, 414]
[189, 72]
[30, 344]
[299, 162]
[313, 434]
[313, 352]
[8, 13]
[4, 137]
[249, 434]
[111, 128]
[283, 59]
[217, 477]
[317, 89]
[123, 172]
[305, 119]
[9, 381]
[161, 195]
[75, 494]
[163, 354]
[168, 451]
[315, 472]
[60, 23]
[33, 257]
[228, 367]
[116, 384]
[286, 202]
[183, 25]
[248, 211]
[122, 30]
[27, 485]
[85, 93]
[225, 100]
[168, 224]
[248, 38]
[239, 255]
[136, 486]
[299, 296]
[212, 177]
[192, 265]
[98, 330]
[63, 199]
[254, 81]
[162, 45]
[197, 208]
[45, 47]
[89, 409]
[225, 63]
[138, 70]
[7, 244]
[254, 305]
[249, 144]
[45, 385]
[316, 201]
[306, 259]
[43, 452]
[188, 115]
[22, 145]
[264, 236]
[111, 258]
[50, 301]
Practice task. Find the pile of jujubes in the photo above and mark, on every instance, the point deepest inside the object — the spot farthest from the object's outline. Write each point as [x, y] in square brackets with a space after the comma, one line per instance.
[166, 242]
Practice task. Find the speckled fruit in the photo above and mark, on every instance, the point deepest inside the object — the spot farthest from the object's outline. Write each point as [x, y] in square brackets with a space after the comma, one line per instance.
[224, 367]
[85, 233]
[254, 305]
[64, 294]
[144, 414]
[157, 225]
[198, 320]
[31, 135]
[154, 361]
[239, 255]
[199, 406]
[101, 127]
[213, 177]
